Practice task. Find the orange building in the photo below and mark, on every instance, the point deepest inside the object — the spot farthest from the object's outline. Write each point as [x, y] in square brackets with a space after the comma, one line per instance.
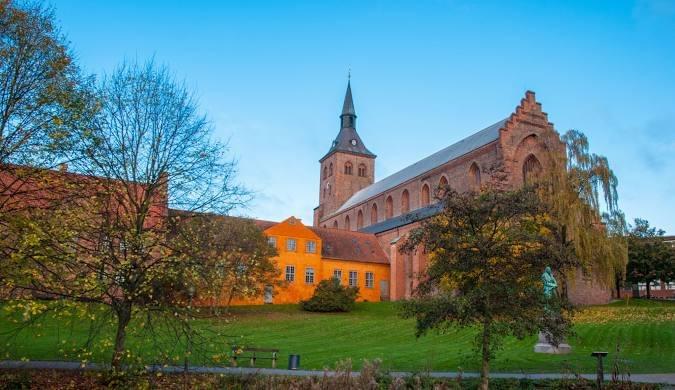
[307, 255]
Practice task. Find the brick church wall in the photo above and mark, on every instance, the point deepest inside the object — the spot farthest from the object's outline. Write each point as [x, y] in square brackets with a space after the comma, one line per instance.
[585, 290]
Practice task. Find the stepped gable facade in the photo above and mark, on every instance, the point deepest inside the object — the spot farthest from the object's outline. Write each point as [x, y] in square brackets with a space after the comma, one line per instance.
[350, 199]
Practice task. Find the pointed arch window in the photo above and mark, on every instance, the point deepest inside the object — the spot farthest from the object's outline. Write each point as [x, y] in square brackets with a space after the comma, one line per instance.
[348, 225]
[325, 172]
[330, 169]
[348, 168]
[362, 170]
[405, 202]
[531, 169]
[388, 207]
[442, 187]
[424, 195]
[335, 224]
[373, 214]
[474, 177]
[359, 220]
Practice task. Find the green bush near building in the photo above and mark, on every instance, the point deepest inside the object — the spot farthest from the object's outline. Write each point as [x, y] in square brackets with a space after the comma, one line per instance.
[331, 297]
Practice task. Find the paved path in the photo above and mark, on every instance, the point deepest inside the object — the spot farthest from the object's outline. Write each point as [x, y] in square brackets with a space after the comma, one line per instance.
[61, 365]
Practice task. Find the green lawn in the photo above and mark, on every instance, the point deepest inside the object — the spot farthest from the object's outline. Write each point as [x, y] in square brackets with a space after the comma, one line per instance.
[644, 332]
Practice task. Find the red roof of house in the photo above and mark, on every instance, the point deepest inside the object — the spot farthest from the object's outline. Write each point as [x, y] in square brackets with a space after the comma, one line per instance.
[348, 245]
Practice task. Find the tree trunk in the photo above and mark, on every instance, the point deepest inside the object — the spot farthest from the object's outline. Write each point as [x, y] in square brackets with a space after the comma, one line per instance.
[229, 300]
[649, 289]
[617, 280]
[485, 367]
[123, 318]
[618, 291]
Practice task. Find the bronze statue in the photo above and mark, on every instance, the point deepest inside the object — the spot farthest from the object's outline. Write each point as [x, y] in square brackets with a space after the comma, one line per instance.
[550, 284]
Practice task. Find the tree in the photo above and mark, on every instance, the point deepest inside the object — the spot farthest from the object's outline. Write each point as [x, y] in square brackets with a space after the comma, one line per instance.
[580, 189]
[147, 147]
[649, 257]
[231, 256]
[43, 98]
[487, 252]
[43, 102]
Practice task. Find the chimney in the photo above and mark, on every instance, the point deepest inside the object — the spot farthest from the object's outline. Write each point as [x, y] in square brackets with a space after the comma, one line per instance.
[63, 167]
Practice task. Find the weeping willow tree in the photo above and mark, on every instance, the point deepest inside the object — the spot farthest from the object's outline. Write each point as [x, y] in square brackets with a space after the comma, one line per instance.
[582, 191]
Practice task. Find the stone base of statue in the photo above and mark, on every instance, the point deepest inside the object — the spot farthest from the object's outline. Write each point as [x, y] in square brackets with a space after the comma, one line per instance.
[544, 346]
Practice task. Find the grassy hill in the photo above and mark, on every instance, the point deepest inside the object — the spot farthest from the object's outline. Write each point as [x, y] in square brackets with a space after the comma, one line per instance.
[643, 331]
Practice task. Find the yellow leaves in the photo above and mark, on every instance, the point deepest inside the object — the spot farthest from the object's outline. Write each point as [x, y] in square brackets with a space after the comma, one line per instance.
[605, 315]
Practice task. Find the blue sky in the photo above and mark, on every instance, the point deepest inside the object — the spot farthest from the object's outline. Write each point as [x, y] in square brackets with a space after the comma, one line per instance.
[271, 76]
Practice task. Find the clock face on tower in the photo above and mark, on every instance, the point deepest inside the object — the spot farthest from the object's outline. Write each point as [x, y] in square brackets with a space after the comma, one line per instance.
[354, 142]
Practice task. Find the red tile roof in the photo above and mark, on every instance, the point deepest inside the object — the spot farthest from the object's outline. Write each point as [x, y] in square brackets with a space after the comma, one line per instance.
[348, 245]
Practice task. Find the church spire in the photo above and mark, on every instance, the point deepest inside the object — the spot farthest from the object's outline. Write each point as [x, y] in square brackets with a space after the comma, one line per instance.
[348, 116]
[348, 139]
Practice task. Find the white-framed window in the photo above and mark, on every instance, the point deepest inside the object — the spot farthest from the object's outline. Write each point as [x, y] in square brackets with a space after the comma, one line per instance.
[291, 244]
[272, 241]
[290, 273]
[353, 279]
[310, 246]
[337, 274]
[370, 280]
[309, 275]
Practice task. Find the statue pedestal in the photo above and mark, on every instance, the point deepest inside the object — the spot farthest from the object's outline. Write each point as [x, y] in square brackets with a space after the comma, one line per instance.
[543, 346]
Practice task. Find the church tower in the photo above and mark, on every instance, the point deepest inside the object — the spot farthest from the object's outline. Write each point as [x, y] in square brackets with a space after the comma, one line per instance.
[347, 167]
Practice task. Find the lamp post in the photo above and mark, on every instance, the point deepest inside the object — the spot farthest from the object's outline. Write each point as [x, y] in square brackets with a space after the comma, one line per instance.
[601, 375]
[191, 293]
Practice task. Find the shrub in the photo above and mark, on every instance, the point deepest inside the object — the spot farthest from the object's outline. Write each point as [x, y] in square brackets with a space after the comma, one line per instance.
[330, 296]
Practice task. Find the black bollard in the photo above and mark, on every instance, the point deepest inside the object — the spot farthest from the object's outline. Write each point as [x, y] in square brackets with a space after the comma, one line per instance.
[293, 362]
[601, 374]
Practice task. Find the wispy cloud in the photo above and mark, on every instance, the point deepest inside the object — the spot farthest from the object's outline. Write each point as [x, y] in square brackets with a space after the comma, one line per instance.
[648, 9]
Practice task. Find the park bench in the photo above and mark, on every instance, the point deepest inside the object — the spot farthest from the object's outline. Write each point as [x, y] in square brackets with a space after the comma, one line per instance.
[254, 353]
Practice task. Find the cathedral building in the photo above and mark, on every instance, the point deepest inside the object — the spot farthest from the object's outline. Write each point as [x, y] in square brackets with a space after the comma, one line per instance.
[351, 199]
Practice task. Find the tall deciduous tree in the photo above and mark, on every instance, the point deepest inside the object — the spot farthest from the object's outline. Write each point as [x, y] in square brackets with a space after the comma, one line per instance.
[581, 190]
[147, 148]
[649, 257]
[487, 252]
[43, 102]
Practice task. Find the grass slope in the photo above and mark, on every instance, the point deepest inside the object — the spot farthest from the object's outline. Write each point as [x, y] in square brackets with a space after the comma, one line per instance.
[644, 332]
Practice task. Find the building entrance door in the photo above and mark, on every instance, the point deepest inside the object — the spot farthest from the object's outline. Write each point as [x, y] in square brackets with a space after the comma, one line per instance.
[269, 294]
[384, 290]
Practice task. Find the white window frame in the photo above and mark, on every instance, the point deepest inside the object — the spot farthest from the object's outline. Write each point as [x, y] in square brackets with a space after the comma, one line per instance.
[272, 241]
[310, 246]
[290, 273]
[309, 275]
[337, 274]
[291, 244]
[353, 279]
[370, 280]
